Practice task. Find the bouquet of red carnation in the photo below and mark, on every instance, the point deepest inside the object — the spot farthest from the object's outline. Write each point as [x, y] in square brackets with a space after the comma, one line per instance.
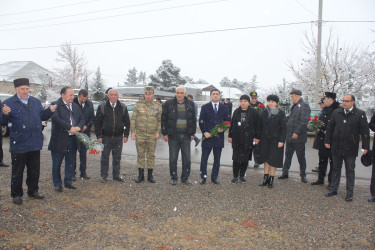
[315, 123]
[260, 108]
[92, 145]
[215, 131]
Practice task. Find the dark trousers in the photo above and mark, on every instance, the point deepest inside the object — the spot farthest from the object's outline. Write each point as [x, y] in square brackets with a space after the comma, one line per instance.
[289, 152]
[176, 143]
[1, 146]
[206, 151]
[32, 162]
[349, 172]
[70, 159]
[323, 164]
[82, 151]
[239, 168]
[111, 144]
[256, 154]
[372, 185]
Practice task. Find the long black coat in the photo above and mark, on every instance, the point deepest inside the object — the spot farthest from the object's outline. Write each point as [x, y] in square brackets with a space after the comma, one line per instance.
[61, 125]
[372, 127]
[343, 132]
[88, 114]
[297, 122]
[324, 116]
[251, 125]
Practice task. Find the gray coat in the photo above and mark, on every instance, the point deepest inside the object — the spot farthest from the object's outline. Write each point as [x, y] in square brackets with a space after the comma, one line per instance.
[297, 122]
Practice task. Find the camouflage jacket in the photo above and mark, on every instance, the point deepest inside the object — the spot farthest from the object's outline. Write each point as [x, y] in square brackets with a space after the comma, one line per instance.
[146, 118]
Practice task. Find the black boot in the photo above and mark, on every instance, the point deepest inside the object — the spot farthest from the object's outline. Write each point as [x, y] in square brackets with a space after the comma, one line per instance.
[265, 180]
[270, 181]
[141, 176]
[150, 178]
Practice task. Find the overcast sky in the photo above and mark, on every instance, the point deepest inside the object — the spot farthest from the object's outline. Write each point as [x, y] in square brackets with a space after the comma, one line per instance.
[210, 56]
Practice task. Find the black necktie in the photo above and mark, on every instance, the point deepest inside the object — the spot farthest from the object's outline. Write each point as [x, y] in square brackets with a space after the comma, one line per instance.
[71, 115]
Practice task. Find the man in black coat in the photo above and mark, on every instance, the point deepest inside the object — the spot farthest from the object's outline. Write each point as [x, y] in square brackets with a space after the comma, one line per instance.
[325, 153]
[87, 109]
[66, 122]
[296, 135]
[342, 137]
[372, 185]
[178, 125]
[230, 106]
[112, 126]
[256, 149]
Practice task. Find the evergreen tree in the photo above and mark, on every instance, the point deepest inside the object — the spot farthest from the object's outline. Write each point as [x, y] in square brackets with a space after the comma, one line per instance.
[142, 77]
[225, 82]
[97, 87]
[131, 78]
[283, 93]
[167, 77]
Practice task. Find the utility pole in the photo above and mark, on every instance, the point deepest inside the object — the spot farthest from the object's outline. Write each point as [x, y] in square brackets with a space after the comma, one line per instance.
[318, 54]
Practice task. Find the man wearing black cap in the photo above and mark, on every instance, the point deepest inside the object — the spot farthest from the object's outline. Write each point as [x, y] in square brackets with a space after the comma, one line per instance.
[25, 113]
[342, 137]
[325, 153]
[254, 103]
[296, 136]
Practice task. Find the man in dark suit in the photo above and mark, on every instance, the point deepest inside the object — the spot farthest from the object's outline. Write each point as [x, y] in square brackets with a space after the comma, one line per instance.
[66, 122]
[87, 109]
[212, 114]
[296, 135]
[342, 137]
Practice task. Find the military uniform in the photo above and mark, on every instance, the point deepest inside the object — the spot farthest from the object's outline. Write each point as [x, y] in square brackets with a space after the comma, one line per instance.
[145, 123]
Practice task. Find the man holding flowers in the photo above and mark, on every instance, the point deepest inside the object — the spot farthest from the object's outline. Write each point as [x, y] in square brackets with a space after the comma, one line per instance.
[212, 120]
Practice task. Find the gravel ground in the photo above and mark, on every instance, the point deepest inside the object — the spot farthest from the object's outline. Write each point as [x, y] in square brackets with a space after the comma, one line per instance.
[162, 216]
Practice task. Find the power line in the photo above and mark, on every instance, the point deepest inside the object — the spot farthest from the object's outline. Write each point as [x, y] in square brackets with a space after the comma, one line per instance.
[106, 17]
[50, 8]
[166, 35]
[86, 13]
[308, 10]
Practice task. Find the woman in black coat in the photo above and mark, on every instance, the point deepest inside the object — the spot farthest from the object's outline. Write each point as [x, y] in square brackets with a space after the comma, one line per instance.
[243, 132]
[272, 139]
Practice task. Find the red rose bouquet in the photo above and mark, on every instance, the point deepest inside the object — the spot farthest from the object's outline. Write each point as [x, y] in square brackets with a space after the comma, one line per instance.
[215, 131]
[315, 123]
[260, 108]
[92, 145]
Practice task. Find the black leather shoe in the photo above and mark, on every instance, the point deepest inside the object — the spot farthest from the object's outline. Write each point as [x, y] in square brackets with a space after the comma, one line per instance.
[317, 183]
[284, 176]
[202, 181]
[349, 198]
[59, 189]
[371, 199]
[36, 195]
[329, 194]
[303, 179]
[173, 182]
[186, 182]
[120, 179]
[2, 164]
[242, 179]
[215, 181]
[17, 200]
[234, 180]
[85, 177]
[70, 186]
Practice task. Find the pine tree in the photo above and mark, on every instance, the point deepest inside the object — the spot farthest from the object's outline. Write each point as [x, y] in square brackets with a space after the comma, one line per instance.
[142, 77]
[132, 78]
[97, 87]
[167, 77]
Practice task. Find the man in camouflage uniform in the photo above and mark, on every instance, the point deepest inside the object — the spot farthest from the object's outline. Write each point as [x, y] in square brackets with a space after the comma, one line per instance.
[145, 128]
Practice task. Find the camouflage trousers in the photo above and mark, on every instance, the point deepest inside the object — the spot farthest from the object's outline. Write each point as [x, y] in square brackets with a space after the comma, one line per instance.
[146, 145]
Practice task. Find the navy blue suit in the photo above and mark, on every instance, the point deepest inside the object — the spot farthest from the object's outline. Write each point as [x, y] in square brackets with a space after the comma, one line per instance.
[207, 121]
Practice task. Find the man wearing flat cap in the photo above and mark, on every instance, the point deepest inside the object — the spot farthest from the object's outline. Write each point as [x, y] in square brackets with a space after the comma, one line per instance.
[256, 150]
[25, 113]
[330, 104]
[296, 136]
[145, 129]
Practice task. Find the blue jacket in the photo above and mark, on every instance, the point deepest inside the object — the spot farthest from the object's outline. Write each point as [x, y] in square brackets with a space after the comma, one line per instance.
[208, 120]
[25, 125]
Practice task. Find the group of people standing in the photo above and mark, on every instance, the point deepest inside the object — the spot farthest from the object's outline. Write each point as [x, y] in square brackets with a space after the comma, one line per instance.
[259, 132]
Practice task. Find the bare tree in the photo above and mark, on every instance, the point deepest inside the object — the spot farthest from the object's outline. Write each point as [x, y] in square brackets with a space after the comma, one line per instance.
[72, 69]
[345, 69]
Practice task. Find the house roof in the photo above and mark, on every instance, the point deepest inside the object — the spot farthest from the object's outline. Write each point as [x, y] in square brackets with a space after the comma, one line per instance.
[24, 69]
[139, 91]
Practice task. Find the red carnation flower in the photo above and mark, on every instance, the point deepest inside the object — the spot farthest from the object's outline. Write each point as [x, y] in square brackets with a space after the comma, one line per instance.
[319, 122]
[309, 118]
